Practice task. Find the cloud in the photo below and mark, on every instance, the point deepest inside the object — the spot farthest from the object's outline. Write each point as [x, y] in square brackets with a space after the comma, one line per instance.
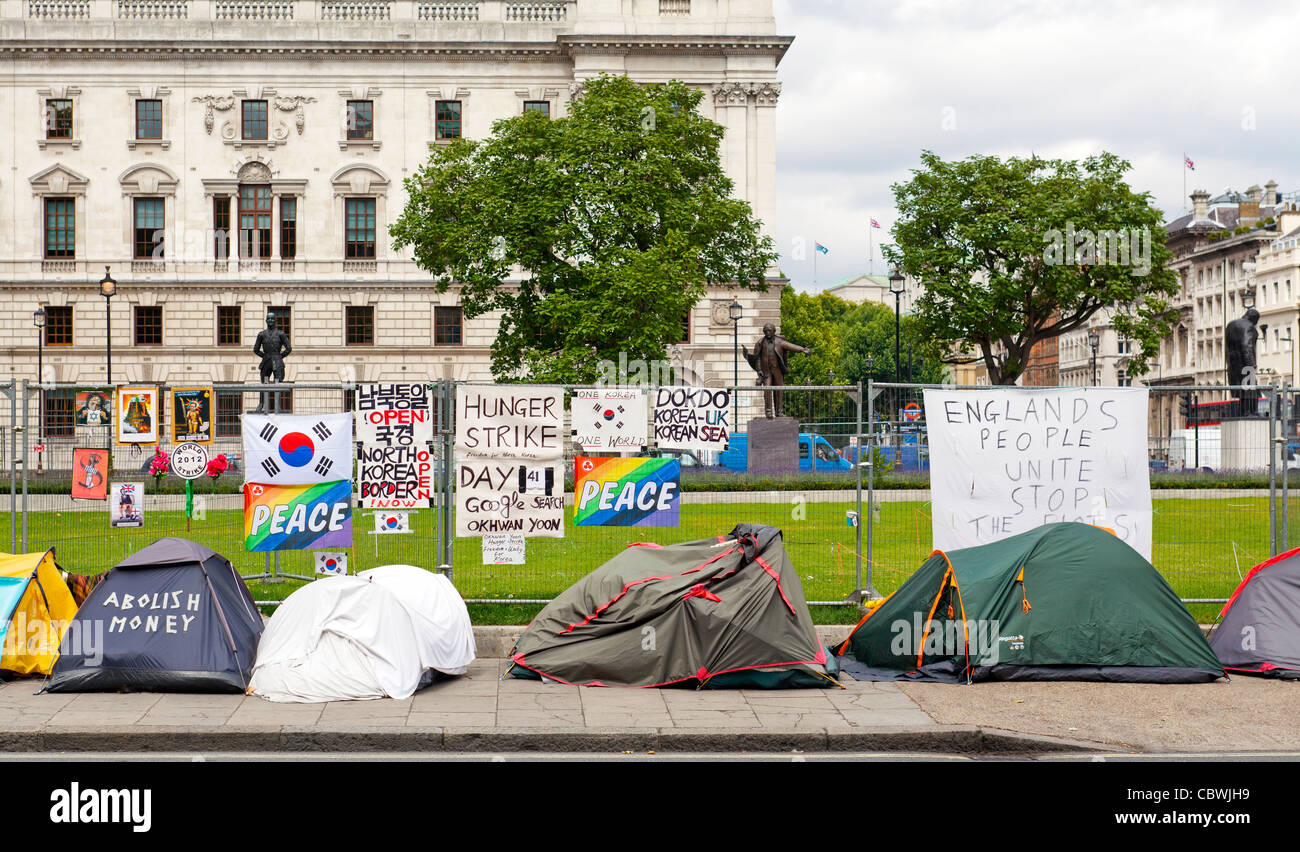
[868, 84]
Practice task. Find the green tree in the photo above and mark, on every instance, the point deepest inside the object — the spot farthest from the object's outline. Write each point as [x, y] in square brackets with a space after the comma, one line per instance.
[619, 215]
[1012, 252]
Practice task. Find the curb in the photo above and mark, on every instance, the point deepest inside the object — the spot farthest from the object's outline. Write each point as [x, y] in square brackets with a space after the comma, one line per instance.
[964, 740]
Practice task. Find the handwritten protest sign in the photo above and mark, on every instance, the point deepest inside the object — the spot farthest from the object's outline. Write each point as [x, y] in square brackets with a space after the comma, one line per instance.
[689, 418]
[510, 496]
[609, 419]
[1006, 460]
[390, 477]
[510, 421]
[504, 549]
[394, 414]
[630, 492]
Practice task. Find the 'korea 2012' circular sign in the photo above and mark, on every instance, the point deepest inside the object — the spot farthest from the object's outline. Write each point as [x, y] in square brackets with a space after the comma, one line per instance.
[189, 460]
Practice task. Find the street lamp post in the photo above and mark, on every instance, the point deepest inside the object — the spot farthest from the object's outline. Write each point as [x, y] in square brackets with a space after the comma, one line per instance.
[735, 312]
[38, 320]
[108, 289]
[896, 286]
[1094, 340]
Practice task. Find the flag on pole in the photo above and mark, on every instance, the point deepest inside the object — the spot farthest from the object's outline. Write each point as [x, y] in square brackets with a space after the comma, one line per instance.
[821, 248]
[1188, 162]
[875, 224]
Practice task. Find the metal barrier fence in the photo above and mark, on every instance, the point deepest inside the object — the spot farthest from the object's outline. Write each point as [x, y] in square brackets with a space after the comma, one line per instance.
[816, 506]
[1221, 499]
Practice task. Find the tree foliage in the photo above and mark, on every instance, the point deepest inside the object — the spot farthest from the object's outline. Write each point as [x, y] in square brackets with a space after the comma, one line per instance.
[618, 216]
[1012, 252]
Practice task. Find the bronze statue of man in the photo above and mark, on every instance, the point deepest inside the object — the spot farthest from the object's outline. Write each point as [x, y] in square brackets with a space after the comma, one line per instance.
[272, 346]
[1240, 338]
[768, 360]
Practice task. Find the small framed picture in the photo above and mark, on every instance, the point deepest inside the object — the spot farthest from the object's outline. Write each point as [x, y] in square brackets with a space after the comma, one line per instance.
[126, 509]
[192, 415]
[94, 407]
[89, 474]
[135, 411]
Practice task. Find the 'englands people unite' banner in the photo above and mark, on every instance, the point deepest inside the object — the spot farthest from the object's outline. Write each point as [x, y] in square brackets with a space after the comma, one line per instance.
[618, 492]
[297, 517]
[1006, 460]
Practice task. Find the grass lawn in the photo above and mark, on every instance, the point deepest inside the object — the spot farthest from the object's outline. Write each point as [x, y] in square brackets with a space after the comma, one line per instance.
[1202, 546]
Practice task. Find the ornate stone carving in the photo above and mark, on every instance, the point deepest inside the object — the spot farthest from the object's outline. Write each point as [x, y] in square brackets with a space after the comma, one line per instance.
[730, 94]
[767, 94]
[213, 103]
[577, 90]
[254, 172]
[294, 105]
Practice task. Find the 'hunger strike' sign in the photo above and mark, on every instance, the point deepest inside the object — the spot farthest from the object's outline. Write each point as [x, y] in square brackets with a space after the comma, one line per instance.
[1007, 460]
[510, 421]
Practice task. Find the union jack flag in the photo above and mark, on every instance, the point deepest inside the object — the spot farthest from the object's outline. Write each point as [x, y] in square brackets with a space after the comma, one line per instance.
[1187, 161]
[127, 488]
[875, 224]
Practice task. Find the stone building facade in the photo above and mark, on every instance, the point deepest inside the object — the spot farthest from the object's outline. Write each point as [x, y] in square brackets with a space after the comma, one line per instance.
[227, 158]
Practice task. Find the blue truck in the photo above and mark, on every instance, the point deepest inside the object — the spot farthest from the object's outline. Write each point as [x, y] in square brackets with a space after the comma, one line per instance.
[815, 454]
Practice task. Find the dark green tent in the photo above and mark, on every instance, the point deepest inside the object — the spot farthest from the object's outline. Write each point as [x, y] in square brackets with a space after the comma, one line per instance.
[1064, 601]
[727, 611]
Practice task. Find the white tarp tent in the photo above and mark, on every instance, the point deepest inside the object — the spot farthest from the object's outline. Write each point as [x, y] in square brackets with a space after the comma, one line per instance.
[375, 635]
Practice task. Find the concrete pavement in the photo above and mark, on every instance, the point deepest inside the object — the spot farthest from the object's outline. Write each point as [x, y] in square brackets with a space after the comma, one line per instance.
[482, 712]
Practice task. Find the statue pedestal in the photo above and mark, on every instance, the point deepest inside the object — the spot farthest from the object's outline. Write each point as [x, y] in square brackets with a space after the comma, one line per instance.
[773, 445]
[1243, 444]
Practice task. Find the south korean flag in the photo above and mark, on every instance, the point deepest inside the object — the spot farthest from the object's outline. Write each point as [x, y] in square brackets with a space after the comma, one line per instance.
[297, 449]
[331, 564]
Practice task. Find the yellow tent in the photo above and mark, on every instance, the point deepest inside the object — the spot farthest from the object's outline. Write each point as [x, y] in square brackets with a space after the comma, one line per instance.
[35, 609]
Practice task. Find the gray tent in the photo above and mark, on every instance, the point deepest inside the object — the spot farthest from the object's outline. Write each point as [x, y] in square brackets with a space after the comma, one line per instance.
[1259, 628]
[720, 612]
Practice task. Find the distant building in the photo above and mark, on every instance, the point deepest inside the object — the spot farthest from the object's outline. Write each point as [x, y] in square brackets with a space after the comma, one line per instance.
[875, 288]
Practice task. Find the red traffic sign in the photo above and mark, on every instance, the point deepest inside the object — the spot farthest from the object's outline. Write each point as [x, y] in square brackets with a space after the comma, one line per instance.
[912, 411]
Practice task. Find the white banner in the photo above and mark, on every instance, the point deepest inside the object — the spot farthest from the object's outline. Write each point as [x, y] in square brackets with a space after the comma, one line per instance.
[507, 496]
[689, 418]
[610, 419]
[1006, 460]
[507, 549]
[509, 421]
[394, 415]
[297, 449]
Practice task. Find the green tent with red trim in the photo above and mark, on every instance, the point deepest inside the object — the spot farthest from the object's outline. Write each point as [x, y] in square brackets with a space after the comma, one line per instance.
[727, 611]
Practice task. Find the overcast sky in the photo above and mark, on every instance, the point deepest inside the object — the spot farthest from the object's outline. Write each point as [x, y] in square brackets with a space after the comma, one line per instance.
[868, 84]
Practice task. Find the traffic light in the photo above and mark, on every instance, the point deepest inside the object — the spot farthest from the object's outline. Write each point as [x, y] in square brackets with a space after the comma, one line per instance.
[1185, 406]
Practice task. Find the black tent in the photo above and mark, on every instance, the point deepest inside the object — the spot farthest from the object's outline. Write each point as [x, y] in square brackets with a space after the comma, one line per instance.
[1259, 628]
[174, 617]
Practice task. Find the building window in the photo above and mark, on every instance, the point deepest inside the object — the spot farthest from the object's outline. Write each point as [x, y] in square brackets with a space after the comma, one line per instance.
[283, 319]
[255, 222]
[360, 229]
[361, 119]
[60, 228]
[230, 405]
[288, 228]
[58, 325]
[686, 328]
[1125, 346]
[229, 322]
[360, 325]
[221, 228]
[447, 119]
[58, 405]
[148, 325]
[58, 118]
[148, 119]
[447, 326]
[1122, 379]
[254, 120]
[544, 107]
[149, 228]
[350, 400]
